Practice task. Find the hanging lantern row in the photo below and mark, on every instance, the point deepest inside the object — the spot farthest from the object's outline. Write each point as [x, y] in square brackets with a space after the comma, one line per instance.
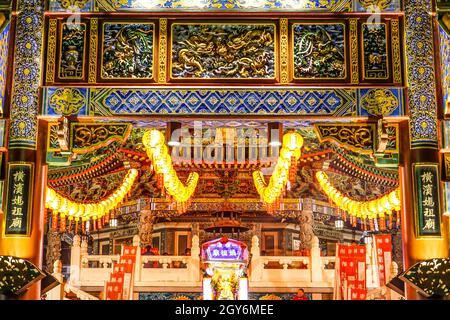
[373, 209]
[168, 180]
[285, 169]
[76, 211]
[391, 221]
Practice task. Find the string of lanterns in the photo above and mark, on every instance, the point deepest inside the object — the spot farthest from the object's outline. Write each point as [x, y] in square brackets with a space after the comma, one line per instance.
[284, 172]
[168, 180]
[371, 210]
[99, 212]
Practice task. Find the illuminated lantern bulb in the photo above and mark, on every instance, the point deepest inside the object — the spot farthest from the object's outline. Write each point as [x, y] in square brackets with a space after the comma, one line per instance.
[373, 207]
[80, 211]
[297, 153]
[286, 154]
[54, 205]
[394, 197]
[63, 207]
[385, 204]
[160, 152]
[73, 209]
[50, 195]
[292, 140]
[153, 138]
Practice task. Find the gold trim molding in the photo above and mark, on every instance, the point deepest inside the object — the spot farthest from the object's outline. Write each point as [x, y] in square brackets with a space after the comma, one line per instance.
[284, 50]
[93, 51]
[51, 51]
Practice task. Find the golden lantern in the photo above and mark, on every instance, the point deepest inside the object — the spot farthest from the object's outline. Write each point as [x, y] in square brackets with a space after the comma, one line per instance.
[368, 209]
[291, 148]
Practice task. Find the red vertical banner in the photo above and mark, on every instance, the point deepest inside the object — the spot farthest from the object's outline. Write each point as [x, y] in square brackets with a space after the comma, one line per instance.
[351, 272]
[120, 286]
[383, 254]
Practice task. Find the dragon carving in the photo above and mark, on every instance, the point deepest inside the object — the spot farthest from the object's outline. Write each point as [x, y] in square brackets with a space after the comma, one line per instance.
[223, 52]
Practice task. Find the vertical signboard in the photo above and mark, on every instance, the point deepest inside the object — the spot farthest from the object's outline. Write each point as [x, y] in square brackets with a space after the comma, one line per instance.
[19, 190]
[350, 277]
[383, 253]
[426, 189]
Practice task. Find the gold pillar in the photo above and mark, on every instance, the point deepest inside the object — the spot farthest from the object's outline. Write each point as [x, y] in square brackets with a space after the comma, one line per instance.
[25, 145]
[31, 247]
[417, 248]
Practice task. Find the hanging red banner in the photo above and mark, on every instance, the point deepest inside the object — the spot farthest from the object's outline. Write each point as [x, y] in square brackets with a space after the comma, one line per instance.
[383, 253]
[120, 286]
[351, 272]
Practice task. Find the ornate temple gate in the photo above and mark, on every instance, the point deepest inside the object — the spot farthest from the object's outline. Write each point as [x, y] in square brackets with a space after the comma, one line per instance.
[65, 65]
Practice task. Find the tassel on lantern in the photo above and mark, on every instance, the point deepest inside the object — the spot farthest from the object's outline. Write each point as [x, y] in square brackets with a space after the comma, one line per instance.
[83, 227]
[62, 224]
[54, 221]
[76, 226]
[371, 225]
[398, 222]
[382, 223]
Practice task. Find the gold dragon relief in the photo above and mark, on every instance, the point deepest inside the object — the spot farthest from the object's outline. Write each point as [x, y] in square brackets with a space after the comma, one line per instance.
[215, 51]
[379, 102]
[356, 137]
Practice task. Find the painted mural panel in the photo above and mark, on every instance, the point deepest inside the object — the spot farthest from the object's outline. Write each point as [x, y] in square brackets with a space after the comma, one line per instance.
[319, 51]
[377, 5]
[227, 5]
[4, 39]
[223, 51]
[71, 64]
[375, 55]
[72, 5]
[127, 51]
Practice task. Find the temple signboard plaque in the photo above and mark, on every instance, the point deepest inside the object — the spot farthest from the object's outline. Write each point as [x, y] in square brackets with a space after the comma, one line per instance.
[426, 188]
[19, 189]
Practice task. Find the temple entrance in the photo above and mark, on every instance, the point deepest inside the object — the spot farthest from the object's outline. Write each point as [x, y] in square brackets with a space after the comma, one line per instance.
[288, 191]
[225, 270]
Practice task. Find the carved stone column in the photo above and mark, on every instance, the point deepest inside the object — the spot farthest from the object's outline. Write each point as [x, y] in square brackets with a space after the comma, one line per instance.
[53, 250]
[145, 227]
[306, 229]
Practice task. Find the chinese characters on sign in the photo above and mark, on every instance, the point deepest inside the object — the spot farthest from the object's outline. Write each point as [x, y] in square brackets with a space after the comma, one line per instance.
[350, 272]
[383, 250]
[18, 204]
[428, 209]
[224, 251]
